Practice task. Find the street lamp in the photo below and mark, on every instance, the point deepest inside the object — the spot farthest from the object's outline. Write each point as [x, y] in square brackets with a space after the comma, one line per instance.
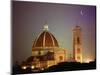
[32, 67]
[24, 67]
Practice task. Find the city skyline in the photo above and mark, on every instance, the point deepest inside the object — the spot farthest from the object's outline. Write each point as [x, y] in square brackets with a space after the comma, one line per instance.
[29, 19]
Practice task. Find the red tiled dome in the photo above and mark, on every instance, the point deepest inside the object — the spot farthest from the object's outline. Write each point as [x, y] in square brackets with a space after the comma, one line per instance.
[45, 39]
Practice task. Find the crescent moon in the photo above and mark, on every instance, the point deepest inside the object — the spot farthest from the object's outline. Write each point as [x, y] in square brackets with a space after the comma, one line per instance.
[81, 12]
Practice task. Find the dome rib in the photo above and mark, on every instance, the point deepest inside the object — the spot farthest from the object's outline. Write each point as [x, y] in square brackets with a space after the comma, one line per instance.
[52, 39]
[37, 39]
[56, 42]
[44, 40]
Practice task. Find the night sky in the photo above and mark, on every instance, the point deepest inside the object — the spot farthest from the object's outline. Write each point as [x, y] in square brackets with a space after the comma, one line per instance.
[28, 19]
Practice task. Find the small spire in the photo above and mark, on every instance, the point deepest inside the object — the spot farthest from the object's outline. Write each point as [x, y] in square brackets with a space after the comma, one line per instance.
[45, 26]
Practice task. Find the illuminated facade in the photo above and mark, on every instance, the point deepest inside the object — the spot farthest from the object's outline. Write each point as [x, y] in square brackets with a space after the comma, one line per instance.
[46, 51]
[77, 44]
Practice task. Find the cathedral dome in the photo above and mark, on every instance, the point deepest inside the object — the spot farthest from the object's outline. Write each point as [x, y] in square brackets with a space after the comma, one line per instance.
[45, 39]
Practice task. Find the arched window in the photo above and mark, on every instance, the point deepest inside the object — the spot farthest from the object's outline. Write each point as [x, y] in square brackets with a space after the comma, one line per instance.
[39, 53]
[78, 57]
[78, 50]
[61, 58]
[78, 40]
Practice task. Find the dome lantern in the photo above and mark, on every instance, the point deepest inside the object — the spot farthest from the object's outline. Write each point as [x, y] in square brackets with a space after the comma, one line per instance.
[45, 39]
[46, 27]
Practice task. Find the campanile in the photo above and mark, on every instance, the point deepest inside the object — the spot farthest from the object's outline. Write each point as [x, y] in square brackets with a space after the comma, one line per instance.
[77, 44]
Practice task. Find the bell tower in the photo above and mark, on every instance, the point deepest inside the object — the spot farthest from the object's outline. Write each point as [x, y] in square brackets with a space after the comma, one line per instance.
[77, 44]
